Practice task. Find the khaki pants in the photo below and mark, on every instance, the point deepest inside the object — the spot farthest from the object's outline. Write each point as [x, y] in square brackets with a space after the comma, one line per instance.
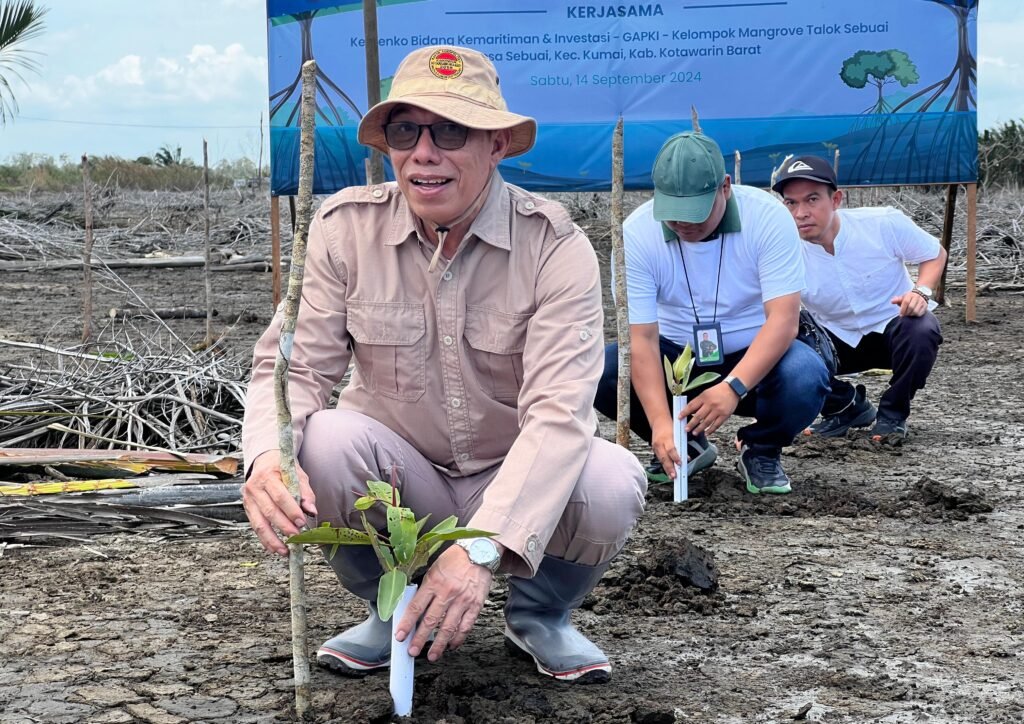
[342, 449]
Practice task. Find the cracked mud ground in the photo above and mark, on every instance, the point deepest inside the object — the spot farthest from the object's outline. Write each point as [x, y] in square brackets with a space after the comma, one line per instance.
[888, 587]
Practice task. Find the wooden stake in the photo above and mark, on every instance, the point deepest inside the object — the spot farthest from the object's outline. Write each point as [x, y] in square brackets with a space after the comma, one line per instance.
[275, 248]
[621, 306]
[948, 215]
[208, 251]
[259, 163]
[737, 162]
[835, 163]
[375, 163]
[695, 119]
[300, 662]
[972, 248]
[87, 254]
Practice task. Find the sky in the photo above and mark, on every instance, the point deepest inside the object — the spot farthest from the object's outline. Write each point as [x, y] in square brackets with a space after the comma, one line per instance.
[127, 77]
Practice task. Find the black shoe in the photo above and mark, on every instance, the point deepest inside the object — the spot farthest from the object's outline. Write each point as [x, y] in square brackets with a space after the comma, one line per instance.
[762, 473]
[859, 413]
[889, 427]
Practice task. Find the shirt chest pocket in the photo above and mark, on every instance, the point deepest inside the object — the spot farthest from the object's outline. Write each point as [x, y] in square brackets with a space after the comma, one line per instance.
[495, 349]
[389, 347]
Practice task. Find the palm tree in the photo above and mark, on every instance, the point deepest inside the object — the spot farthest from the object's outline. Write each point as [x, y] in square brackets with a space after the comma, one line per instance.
[20, 20]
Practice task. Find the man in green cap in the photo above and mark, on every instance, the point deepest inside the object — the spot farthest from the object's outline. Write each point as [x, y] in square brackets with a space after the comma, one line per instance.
[705, 255]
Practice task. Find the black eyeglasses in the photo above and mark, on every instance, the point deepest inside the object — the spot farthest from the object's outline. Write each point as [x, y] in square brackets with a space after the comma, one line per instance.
[403, 135]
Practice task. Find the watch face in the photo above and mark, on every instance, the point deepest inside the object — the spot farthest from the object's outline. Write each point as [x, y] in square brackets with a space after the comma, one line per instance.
[481, 551]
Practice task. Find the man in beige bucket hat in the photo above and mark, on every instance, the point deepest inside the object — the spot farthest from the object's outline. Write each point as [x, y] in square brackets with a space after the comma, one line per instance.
[471, 310]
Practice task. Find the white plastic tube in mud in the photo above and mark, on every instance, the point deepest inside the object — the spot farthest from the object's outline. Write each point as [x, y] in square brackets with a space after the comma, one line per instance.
[682, 485]
[401, 663]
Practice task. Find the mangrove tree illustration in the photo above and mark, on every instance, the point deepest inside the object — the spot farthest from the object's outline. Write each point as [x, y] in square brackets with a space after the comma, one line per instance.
[879, 68]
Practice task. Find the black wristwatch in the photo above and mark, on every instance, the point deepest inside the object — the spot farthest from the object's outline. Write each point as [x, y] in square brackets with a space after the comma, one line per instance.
[738, 387]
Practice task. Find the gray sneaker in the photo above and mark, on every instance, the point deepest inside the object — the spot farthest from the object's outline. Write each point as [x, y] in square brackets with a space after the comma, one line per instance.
[762, 473]
[889, 427]
[859, 413]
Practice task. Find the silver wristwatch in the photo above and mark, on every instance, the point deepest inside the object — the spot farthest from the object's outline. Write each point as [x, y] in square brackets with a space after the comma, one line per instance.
[924, 291]
[481, 551]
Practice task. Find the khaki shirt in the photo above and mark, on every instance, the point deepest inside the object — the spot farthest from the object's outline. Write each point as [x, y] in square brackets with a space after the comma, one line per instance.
[492, 359]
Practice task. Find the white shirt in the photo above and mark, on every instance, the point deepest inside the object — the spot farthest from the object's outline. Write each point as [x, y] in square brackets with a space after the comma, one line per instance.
[759, 263]
[850, 292]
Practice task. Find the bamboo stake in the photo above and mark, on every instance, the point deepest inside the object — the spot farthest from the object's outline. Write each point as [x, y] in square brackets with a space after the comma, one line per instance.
[737, 163]
[275, 248]
[695, 119]
[87, 254]
[972, 248]
[948, 214]
[300, 663]
[209, 253]
[621, 306]
[835, 162]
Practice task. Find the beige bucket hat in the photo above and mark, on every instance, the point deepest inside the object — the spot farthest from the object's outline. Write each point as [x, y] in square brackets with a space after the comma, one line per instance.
[459, 84]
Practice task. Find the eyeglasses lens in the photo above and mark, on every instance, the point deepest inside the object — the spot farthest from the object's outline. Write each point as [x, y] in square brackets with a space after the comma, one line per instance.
[446, 135]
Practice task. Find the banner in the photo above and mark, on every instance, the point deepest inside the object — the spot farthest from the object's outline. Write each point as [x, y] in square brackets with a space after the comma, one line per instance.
[890, 84]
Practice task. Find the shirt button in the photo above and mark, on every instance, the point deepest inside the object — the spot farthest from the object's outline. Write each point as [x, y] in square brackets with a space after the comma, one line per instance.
[529, 204]
[448, 340]
[463, 457]
[447, 276]
[377, 193]
[584, 335]
[456, 402]
[531, 545]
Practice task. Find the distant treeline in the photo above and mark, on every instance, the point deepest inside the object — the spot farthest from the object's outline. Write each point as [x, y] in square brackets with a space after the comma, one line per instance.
[166, 170]
[1001, 156]
[1000, 164]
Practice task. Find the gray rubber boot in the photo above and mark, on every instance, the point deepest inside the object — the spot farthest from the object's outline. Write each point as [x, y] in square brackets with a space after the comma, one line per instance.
[366, 646]
[537, 621]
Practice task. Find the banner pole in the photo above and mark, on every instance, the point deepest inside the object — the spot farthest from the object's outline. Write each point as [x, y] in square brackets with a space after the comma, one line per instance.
[948, 214]
[275, 248]
[621, 301]
[375, 163]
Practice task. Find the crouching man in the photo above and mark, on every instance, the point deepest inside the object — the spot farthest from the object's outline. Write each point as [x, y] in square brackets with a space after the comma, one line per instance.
[858, 288]
[471, 310]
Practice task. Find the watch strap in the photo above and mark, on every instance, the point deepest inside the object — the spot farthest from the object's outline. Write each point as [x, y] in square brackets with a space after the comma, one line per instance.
[737, 386]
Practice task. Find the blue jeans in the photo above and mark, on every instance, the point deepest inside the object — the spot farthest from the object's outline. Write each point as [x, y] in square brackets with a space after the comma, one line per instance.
[785, 402]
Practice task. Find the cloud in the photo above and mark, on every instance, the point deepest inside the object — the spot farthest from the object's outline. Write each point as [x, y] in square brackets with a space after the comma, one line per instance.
[203, 75]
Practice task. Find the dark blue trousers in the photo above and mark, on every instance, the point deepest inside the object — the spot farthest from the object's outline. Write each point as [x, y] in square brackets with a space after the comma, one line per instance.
[784, 403]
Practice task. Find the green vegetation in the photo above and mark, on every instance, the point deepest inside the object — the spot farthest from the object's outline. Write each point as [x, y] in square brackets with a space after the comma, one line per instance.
[165, 171]
[1001, 156]
[20, 21]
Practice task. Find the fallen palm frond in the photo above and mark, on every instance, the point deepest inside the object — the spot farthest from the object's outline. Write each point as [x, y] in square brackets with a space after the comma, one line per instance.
[133, 391]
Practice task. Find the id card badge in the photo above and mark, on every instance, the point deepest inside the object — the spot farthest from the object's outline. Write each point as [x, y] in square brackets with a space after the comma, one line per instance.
[707, 344]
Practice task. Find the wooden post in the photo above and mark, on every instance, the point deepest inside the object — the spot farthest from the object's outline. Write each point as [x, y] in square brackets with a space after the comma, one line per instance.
[737, 161]
[949, 213]
[286, 441]
[835, 163]
[275, 247]
[621, 301]
[259, 163]
[208, 261]
[972, 248]
[87, 254]
[375, 167]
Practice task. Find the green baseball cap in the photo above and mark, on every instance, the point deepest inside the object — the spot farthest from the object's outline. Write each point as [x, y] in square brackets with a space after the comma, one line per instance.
[687, 173]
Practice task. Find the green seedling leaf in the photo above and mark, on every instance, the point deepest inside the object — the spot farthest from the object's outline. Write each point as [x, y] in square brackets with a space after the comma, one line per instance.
[447, 524]
[431, 538]
[387, 561]
[402, 533]
[389, 592]
[683, 365]
[422, 522]
[327, 535]
[383, 492]
[704, 379]
[365, 503]
[670, 378]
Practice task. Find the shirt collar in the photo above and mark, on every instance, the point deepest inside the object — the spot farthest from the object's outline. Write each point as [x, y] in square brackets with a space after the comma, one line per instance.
[491, 224]
[729, 224]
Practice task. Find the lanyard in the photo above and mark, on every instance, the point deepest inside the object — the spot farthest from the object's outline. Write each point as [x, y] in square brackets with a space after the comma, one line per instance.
[718, 280]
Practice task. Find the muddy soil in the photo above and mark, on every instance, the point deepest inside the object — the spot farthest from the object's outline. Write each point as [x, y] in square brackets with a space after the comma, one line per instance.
[888, 587]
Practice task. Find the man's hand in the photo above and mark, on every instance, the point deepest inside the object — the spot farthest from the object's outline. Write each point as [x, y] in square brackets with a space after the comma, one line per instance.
[271, 509]
[663, 444]
[709, 410]
[449, 599]
[911, 304]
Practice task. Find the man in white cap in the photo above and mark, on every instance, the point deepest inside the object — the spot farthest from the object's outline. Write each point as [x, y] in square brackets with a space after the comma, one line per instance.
[858, 288]
[471, 310]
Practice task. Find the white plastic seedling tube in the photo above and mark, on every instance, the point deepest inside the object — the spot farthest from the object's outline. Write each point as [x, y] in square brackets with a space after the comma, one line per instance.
[682, 484]
[402, 664]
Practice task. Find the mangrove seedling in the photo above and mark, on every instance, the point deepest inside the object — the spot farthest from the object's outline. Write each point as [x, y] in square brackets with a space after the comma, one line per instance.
[677, 374]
